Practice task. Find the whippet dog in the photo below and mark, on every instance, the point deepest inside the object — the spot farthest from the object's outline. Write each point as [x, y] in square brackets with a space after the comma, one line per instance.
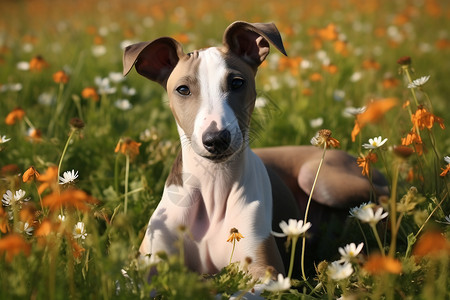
[217, 182]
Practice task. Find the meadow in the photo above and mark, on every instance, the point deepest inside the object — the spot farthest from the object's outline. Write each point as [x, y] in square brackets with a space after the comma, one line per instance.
[84, 151]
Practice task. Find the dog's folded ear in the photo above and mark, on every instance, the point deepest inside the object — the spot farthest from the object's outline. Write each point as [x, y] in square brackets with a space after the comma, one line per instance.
[154, 60]
[251, 41]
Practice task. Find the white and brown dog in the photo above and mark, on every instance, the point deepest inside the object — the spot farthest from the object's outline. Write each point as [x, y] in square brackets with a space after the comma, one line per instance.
[217, 182]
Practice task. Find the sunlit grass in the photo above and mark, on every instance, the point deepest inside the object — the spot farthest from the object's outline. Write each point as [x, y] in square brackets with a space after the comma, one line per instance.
[342, 54]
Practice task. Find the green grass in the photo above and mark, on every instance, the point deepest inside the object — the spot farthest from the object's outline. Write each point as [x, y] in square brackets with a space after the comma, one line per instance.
[64, 34]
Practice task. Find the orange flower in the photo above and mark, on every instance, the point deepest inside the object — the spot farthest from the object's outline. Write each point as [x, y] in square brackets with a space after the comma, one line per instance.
[374, 112]
[48, 179]
[76, 248]
[445, 171]
[315, 77]
[90, 93]
[35, 135]
[61, 77]
[128, 147]
[340, 47]
[30, 174]
[431, 244]
[406, 104]
[378, 264]
[290, 63]
[371, 64]
[410, 176]
[38, 63]
[423, 118]
[331, 68]
[98, 40]
[328, 33]
[71, 198]
[412, 138]
[364, 162]
[4, 223]
[322, 137]
[183, 38]
[307, 92]
[15, 115]
[234, 235]
[390, 83]
[28, 213]
[44, 229]
[356, 130]
[13, 244]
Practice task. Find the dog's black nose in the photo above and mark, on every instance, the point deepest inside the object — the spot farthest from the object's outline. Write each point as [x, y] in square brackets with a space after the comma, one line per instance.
[216, 142]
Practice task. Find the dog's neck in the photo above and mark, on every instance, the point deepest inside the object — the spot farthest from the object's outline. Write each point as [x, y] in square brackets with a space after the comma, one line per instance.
[214, 181]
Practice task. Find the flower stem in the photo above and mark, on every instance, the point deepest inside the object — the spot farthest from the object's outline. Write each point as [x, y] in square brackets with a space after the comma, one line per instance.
[127, 171]
[72, 131]
[58, 109]
[377, 237]
[430, 215]
[364, 236]
[291, 264]
[232, 251]
[116, 174]
[393, 210]
[307, 210]
[413, 92]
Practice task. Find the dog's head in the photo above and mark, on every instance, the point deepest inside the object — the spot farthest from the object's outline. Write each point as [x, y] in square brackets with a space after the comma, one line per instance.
[211, 91]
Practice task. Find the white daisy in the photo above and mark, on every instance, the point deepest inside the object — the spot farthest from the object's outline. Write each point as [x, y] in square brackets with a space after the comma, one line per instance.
[116, 77]
[316, 122]
[27, 228]
[353, 111]
[293, 229]
[123, 104]
[128, 91]
[356, 77]
[23, 66]
[353, 210]
[4, 139]
[375, 143]
[104, 86]
[418, 82]
[79, 231]
[281, 284]
[350, 251]
[366, 214]
[9, 198]
[338, 271]
[68, 176]
[98, 50]
[260, 102]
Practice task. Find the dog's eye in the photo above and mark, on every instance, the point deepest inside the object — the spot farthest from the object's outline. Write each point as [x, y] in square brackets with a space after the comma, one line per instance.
[183, 90]
[236, 83]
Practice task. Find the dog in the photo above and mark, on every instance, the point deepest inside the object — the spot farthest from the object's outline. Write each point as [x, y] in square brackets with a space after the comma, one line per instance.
[217, 182]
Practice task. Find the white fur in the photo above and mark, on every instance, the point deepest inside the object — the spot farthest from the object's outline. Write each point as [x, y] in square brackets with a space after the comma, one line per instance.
[214, 107]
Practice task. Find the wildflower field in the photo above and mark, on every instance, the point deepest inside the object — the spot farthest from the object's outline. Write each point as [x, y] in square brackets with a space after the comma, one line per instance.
[84, 151]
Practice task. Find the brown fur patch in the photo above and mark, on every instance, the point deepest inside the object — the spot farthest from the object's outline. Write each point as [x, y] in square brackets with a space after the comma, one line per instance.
[185, 108]
[267, 256]
[175, 176]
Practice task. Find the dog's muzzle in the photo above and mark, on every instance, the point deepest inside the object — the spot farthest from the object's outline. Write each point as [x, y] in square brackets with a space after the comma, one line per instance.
[217, 142]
